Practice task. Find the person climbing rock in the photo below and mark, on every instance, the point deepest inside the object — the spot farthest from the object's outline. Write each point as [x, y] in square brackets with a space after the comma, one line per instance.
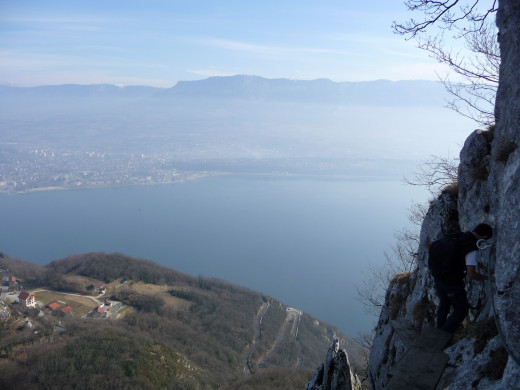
[451, 260]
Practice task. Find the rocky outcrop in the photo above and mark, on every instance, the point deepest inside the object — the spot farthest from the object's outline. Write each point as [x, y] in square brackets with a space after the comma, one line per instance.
[505, 175]
[485, 354]
[482, 351]
[335, 373]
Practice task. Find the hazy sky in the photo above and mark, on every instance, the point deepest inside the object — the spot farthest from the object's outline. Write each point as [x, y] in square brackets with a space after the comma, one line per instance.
[160, 42]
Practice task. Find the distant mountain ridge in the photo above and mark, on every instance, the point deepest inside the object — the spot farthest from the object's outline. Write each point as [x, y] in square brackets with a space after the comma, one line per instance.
[379, 92]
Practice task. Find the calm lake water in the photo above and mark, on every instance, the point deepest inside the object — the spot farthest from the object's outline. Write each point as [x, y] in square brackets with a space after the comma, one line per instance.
[303, 240]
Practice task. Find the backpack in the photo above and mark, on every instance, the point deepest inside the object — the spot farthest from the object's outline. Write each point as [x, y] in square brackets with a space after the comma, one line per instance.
[446, 261]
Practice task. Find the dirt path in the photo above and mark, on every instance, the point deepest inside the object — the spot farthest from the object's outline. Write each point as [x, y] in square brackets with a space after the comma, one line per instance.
[95, 299]
[258, 335]
[289, 328]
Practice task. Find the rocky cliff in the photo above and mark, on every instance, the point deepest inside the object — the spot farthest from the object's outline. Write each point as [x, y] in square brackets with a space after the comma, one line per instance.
[336, 373]
[485, 353]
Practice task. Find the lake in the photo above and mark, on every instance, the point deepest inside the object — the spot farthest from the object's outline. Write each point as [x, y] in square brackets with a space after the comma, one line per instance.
[304, 240]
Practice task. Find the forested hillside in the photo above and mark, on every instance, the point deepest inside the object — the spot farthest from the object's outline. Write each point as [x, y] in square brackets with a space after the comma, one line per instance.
[171, 330]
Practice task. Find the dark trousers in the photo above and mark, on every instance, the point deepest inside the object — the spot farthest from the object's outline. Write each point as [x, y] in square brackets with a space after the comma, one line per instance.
[451, 295]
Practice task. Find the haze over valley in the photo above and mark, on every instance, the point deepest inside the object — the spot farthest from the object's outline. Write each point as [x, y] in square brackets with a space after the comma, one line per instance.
[72, 136]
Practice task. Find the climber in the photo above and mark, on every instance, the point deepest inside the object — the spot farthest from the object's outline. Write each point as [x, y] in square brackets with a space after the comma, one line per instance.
[461, 264]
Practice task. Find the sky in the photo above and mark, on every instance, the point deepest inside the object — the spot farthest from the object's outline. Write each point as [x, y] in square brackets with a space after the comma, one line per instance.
[161, 42]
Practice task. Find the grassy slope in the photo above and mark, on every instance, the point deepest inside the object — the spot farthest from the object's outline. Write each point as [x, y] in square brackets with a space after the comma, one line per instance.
[182, 332]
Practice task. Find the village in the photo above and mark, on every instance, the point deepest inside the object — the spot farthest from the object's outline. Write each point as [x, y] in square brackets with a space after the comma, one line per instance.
[41, 302]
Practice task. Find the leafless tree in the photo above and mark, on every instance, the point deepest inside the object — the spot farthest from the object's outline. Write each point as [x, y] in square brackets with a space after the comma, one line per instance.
[364, 340]
[435, 174]
[416, 214]
[476, 64]
[371, 291]
[447, 15]
[399, 259]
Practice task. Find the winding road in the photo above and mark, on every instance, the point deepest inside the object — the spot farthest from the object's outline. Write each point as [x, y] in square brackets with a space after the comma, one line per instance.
[290, 326]
[258, 336]
[294, 315]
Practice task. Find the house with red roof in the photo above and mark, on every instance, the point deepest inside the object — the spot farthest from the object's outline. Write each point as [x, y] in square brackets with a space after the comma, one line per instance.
[98, 312]
[53, 306]
[66, 310]
[26, 299]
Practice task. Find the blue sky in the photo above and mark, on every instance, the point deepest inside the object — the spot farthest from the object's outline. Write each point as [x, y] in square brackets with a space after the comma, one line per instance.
[161, 42]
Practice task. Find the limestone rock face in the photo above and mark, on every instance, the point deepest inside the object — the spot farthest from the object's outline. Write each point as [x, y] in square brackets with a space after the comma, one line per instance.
[486, 352]
[488, 191]
[505, 179]
[411, 297]
[335, 373]
[474, 204]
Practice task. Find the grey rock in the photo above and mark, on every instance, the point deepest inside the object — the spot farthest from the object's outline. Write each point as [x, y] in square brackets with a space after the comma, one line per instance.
[335, 373]
[485, 356]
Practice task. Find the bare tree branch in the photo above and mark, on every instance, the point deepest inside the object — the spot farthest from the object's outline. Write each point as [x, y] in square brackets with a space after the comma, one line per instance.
[445, 15]
[400, 259]
[476, 66]
[365, 341]
[435, 11]
[435, 174]
[417, 213]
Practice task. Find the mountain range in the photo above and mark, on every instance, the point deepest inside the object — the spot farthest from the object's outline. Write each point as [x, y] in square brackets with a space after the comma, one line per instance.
[325, 91]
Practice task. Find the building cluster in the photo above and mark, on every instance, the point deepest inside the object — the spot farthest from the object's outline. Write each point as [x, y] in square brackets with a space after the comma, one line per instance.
[102, 311]
[28, 170]
[27, 301]
[59, 310]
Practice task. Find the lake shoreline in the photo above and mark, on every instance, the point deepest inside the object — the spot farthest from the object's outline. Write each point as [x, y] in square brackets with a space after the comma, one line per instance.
[191, 176]
[188, 177]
